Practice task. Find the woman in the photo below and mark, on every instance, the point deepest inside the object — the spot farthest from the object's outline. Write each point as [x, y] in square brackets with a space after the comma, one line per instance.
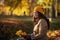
[41, 24]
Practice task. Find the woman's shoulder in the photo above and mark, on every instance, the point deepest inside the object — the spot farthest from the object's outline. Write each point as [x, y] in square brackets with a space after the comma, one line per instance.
[42, 21]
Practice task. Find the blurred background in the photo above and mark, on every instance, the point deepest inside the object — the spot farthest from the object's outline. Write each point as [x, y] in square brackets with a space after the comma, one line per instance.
[17, 15]
[25, 7]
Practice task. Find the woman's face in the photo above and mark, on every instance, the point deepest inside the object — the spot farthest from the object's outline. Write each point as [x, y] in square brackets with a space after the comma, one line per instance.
[36, 15]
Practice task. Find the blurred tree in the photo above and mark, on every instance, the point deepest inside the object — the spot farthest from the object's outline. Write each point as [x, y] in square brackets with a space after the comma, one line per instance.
[32, 3]
[53, 8]
[13, 4]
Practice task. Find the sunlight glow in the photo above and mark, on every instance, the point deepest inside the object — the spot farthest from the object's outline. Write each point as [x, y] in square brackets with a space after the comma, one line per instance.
[6, 9]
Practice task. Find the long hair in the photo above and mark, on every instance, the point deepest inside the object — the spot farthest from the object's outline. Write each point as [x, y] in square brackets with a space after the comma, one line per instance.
[43, 17]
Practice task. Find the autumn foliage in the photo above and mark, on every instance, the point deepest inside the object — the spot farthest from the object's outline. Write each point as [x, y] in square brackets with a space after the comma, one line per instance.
[20, 32]
[53, 34]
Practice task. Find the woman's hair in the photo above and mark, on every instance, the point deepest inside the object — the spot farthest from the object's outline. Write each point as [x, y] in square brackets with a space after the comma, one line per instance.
[44, 17]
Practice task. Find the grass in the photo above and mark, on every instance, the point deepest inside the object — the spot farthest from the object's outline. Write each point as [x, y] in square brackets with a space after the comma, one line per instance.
[27, 20]
[55, 24]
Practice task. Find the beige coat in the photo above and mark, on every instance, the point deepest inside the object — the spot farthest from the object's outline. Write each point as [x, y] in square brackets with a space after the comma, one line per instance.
[40, 30]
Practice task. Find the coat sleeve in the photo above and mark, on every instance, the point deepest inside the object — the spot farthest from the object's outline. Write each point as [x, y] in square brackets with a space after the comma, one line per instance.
[42, 28]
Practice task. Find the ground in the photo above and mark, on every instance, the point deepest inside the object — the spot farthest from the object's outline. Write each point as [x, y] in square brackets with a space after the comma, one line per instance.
[25, 24]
